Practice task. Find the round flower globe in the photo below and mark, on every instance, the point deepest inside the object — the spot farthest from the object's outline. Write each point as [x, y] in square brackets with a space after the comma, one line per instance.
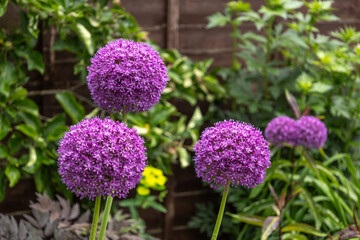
[126, 76]
[232, 151]
[312, 133]
[281, 130]
[100, 157]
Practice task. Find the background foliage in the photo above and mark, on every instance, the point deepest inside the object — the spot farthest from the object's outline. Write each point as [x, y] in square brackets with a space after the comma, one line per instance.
[287, 67]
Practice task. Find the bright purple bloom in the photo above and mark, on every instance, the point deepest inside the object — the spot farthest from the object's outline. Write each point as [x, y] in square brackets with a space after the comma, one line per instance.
[232, 151]
[126, 76]
[312, 133]
[101, 157]
[281, 130]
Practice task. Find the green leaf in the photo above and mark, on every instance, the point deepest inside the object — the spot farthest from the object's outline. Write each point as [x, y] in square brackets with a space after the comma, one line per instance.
[13, 174]
[53, 123]
[26, 105]
[4, 153]
[32, 157]
[270, 224]
[18, 93]
[3, 5]
[196, 119]
[2, 185]
[294, 236]
[302, 227]
[184, 157]
[250, 219]
[33, 58]
[8, 76]
[320, 87]
[85, 36]
[29, 119]
[309, 199]
[5, 126]
[27, 130]
[15, 143]
[158, 207]
[71, 106]
[217, 20]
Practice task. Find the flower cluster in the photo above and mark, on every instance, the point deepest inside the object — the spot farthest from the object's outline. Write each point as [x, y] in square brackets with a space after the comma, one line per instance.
[308, 131]
[126, 76]
[153, 178]
[101, 157]
[281, 130]
[232, 151]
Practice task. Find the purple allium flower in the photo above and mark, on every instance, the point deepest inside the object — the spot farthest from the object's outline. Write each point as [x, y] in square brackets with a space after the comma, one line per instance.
[281, 130]
[312, 133]
[126, 76]
[232, 151]
[101, 157]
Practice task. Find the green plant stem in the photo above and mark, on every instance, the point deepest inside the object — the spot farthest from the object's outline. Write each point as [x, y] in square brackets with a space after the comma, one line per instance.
[95, 218]
[221, 212]
[124, 118]
[105, 218]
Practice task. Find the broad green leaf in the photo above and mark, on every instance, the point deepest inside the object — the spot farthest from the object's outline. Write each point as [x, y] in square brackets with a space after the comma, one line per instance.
[320, 87]
[270, 224]
[8, 76]
[302, 227]
[33, 58]
[3, 5]
[4, 152]
[13, 174]
[184, 157]
[18, 93]
[27, 130]
[26, 105]
[217, 20]
[85, 36]
[158, 207]
[162, 115]
[250, 219]
[29, 119]
[53, 123]
[15, 143]
[71, 106]
[57, 133]
[5, 126]
[291, 4]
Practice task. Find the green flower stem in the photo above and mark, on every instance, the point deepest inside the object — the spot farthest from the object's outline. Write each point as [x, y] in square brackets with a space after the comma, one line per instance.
[95, 218]
[221, 212]
[105, 219]
[124, 116]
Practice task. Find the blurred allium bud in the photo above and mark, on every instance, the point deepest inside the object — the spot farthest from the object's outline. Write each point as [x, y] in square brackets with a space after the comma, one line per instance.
[281, 130]
[126, 76]
[312, 133]
[101, 157]
[232, 151]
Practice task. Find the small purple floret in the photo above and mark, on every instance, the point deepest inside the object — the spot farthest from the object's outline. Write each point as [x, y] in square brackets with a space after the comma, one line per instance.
[101, 157]
[312, 133]
[232, 151]
[126, 76]
[281, 130]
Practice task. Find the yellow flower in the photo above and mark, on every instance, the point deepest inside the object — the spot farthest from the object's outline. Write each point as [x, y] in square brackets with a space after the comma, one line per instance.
[141, 190]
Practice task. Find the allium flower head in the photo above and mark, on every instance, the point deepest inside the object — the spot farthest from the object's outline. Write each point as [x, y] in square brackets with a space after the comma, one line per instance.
[232, 151]
[126, 76]
[101, 157]
[281, 130]
[312, 133]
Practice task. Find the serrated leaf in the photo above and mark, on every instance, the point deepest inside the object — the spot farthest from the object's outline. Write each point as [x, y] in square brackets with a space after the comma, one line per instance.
[71, 106]
[302, 227]
[250, 219]
[13, 174]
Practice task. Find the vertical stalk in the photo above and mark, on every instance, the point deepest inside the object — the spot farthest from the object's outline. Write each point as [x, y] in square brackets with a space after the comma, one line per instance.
[95, 218]
[105, 219]
[221, 212]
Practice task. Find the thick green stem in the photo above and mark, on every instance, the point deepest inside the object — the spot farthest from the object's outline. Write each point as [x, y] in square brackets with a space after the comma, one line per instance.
[221, 212]
[95, 218]
[105, 218]
[124, 117]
